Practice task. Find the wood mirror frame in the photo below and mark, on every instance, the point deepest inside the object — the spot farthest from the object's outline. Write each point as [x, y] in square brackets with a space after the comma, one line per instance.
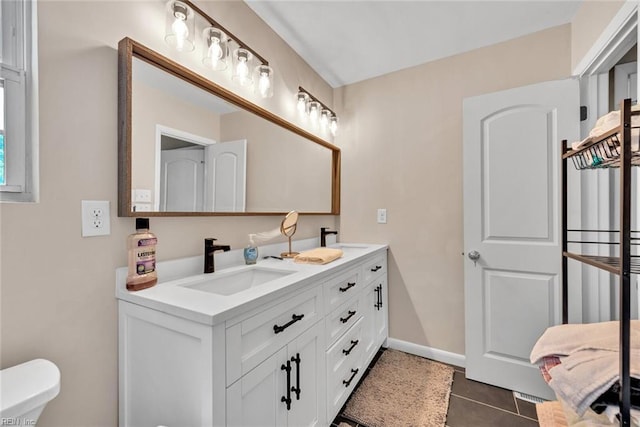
[127, 50]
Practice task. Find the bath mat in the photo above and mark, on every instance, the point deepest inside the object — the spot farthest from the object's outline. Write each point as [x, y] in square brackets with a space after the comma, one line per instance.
[402, 390]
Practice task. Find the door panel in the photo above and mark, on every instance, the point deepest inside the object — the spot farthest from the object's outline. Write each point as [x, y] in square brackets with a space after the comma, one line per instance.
[511, 159]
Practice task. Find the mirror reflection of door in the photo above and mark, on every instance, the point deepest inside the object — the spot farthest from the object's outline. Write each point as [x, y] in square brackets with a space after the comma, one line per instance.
[182, 166]
[196, 174]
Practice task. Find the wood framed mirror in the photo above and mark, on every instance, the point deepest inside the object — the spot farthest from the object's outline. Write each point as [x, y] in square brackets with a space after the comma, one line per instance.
[189, 147]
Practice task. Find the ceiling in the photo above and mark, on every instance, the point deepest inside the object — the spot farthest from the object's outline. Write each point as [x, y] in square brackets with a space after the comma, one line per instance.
[350, 41]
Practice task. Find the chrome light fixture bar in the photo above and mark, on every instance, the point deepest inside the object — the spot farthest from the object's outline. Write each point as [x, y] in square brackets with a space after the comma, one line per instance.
[216, 51]
[316, 110]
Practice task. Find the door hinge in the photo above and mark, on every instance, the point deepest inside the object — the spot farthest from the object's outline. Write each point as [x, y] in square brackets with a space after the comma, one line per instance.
[583, 113]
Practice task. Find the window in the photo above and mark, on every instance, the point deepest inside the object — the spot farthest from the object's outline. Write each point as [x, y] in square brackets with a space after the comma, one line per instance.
[18, 101]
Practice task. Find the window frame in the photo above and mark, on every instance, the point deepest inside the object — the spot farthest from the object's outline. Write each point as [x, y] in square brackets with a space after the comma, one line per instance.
[18, 70]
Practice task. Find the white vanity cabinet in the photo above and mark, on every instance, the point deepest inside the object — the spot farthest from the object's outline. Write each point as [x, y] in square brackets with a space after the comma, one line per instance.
[290, 360]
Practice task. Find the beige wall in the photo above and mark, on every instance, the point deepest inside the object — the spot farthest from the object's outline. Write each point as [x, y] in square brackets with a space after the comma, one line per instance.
[402, 150]
[588, 23]
[281, 165]
[57, 288]
[151, 107]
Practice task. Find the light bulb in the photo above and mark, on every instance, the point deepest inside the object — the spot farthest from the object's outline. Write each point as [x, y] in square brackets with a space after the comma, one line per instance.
[180, 29]
[215, 52]
[333, 125]
[324, 117]
[241, 62]
[302, 102]
[313, 110]
[264, 83]
[242, 69]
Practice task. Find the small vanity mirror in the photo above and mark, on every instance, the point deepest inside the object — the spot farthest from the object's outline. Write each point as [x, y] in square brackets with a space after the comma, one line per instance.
[288, 228]
[190, 147]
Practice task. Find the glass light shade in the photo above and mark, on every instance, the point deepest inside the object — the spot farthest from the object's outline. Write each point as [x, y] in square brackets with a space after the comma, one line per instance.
[242, 67]
[301, 103]
[324, 117]
[333, 125]
[263, 76]
[180, 26]
[215, 49]
[314, 110]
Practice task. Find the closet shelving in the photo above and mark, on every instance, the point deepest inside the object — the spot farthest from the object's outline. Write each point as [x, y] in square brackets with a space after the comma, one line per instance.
[613, 149]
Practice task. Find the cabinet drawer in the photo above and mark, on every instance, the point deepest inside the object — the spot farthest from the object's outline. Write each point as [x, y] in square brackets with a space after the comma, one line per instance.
[374, 267]
[252, 340]
[341, 288]
[342, 319]
[348, 348]
[340, 384]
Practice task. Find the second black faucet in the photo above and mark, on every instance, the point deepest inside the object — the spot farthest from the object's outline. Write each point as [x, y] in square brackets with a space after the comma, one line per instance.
[324, 231]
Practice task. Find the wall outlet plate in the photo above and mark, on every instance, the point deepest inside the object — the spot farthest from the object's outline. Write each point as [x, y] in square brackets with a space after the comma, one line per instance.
[382, 216]
[96, 220]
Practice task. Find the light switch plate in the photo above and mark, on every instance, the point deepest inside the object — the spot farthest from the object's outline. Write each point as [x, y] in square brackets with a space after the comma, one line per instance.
[96, 220]
[382, 216]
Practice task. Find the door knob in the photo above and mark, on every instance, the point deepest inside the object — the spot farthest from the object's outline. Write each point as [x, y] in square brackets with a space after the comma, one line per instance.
[474, 256]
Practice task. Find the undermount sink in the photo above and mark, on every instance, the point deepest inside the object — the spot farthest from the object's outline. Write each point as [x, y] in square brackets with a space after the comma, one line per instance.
[232, 282]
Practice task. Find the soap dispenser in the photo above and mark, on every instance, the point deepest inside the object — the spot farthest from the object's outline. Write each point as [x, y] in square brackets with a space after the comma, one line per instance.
[251, 251]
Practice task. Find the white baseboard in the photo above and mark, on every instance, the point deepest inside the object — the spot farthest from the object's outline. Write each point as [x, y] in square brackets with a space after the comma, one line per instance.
[427, 352]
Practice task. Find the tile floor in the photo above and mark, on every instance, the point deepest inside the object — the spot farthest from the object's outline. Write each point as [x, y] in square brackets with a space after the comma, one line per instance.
[474, 404]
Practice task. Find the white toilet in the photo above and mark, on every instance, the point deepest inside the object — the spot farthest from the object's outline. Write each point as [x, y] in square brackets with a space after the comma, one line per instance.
[25, 390]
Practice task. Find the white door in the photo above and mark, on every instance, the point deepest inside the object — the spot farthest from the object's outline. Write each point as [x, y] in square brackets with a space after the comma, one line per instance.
[182, 180]
[228, 176]
[511, 153]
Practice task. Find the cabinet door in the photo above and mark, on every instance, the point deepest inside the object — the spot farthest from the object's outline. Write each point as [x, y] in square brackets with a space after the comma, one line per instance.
[255, 399]
[307, 357]
[380, 311]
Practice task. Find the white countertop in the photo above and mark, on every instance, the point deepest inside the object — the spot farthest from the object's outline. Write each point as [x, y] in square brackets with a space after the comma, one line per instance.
[170, 296]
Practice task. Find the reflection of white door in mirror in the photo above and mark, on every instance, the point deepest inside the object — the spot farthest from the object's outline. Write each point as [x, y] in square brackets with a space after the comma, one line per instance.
[194, 174]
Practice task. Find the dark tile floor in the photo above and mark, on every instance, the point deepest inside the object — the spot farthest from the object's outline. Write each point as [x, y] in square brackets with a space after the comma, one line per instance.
[474, 404]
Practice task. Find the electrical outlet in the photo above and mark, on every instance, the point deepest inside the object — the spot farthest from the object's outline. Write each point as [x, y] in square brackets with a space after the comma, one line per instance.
[95, 218]
[141, 195]
[382, 216]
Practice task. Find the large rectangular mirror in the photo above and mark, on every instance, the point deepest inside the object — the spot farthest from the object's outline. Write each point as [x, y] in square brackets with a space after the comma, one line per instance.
[190, 147]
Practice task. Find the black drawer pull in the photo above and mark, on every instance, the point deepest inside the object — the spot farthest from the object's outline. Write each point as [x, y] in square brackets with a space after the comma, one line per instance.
[287, 399]
[378, 303]
[354, 372]
[277, 329]
[349, 286]
[378, 267]
[346, 319]
[353, 344]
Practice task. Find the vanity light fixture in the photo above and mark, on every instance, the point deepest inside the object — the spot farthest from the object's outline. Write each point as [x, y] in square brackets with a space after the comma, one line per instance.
[216, 42]
[215, 48]
[180, 26]
[317, 111]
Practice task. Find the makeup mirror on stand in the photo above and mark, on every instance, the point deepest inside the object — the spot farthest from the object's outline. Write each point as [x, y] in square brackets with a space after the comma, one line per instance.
[288, 228]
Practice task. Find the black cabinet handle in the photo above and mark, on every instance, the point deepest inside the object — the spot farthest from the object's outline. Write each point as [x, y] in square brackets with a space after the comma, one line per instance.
[349, 286]
[296, 389]
[354, 372]
[277, 328]
[287, 399]
[353, 344]
[378, 267]
[378, 303]
[346, 319]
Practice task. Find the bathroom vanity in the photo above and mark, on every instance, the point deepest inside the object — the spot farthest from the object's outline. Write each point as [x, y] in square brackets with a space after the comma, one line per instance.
[273, 344]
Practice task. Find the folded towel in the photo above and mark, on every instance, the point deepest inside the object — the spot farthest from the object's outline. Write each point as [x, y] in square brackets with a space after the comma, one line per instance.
[318, 256]
[563, 340]
[585, 375]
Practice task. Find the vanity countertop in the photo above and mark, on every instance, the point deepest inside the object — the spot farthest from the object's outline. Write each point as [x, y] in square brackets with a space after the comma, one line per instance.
[170, 295]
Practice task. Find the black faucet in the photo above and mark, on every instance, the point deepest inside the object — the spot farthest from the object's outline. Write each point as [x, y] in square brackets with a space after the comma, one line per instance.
[209, 248]
[323, 235]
